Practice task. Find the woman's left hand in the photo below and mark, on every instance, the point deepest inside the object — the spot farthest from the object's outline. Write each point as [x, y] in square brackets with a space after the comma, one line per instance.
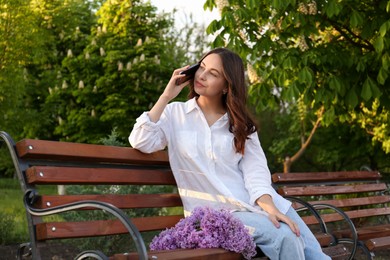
[267, 204]
[278, 217]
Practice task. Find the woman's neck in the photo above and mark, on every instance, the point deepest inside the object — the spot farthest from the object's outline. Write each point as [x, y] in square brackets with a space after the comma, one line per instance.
[211, 106]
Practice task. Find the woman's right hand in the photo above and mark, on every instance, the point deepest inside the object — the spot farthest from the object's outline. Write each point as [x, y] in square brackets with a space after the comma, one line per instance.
[172, 90]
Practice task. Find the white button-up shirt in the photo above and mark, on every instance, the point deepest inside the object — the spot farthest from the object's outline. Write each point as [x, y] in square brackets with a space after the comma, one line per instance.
[203, 159]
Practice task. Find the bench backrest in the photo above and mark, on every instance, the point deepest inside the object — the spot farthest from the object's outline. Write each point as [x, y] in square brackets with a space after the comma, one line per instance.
[42, 163]
[361, 194]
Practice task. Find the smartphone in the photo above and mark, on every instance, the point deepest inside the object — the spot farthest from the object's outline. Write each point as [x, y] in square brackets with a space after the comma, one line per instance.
[189, 74]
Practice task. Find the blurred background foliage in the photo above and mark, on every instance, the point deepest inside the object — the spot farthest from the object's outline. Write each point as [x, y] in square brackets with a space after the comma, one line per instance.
[83, 71]
[317, 72]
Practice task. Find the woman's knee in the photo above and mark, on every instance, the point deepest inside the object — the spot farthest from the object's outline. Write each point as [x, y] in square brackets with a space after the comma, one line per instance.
[291, 239]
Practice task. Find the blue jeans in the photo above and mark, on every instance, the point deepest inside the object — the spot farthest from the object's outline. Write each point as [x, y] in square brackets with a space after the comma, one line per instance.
[281, 243]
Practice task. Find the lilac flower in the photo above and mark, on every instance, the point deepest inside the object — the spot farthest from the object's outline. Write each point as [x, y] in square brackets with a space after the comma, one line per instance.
[207, 228]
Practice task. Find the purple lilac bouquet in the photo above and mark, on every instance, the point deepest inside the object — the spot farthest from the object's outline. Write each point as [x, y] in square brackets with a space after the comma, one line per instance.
[207, 228]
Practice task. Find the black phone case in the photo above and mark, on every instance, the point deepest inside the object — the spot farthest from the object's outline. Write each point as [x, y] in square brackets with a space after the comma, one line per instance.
[190, 73]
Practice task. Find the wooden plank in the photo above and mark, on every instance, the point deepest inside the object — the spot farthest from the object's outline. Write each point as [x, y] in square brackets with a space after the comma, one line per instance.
[366, 232]
[190, 254]
[127, 201]
[59, 230]
[106, 176]
[54, 150]
[362, 213]
[378, 243]
[324, 239]
[353, 202]
[337, 252]
[291, 178]
[330, 190]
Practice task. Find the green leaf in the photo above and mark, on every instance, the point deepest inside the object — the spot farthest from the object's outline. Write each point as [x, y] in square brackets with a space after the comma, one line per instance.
[333, 8]
[287, 64]
[251, 4]
[382, 76]
[388, 7]
[335, 83]
[351, 98]
[305, 76]
[386, 61]
[329, 116]
[366, 93]
[356, 19]
[219, 41]
[292, 92]
[361, 66]
[378, 44]
[383, 29]
[213, 27]
[282, 78]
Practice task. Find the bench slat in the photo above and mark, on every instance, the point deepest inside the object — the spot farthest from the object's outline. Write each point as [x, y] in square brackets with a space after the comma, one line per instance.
[353, 202]
[190, 254]
[53, 150]
[291, 178]
[367, 232]
[337, 252]
[324, 239]
[55, 230]
[127, 201]
[330, 190]
[74, 175]
[378, 243]
[332, 217]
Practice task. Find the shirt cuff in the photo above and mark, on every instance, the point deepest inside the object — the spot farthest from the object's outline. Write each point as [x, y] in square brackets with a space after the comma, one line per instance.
[258, 194]
[144, 121]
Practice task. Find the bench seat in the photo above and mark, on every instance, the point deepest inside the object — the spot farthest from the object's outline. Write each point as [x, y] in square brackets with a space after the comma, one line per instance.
[361, 195]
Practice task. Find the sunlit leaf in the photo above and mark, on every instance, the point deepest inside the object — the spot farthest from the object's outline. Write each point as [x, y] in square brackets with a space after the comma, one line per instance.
[378, 44]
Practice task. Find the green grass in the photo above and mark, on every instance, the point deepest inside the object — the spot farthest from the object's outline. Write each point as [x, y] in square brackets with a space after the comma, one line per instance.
[13, 223]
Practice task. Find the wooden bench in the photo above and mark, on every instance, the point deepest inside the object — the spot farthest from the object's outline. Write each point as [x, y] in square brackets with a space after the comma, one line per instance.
[361, 195]
[40, 163]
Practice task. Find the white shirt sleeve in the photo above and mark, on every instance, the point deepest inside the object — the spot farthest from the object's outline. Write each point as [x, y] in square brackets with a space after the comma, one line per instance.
[255, 170]
[148, 136]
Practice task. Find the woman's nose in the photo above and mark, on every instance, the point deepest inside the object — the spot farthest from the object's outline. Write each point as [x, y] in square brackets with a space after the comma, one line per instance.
[202, 75]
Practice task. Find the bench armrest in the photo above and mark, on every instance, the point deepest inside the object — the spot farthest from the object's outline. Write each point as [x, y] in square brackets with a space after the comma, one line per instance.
[354, 240]
[31, 196]
[313, 208]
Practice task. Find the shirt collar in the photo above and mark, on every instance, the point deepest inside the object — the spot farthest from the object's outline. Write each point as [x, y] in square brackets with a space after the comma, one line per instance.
[192, 105]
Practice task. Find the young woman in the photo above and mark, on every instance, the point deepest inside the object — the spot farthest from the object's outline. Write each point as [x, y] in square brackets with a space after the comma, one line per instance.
[216, 156]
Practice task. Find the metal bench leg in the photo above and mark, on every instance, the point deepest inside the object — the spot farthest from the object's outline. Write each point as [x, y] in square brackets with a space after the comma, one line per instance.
[91, 253]
[370, 255]
[21, 254]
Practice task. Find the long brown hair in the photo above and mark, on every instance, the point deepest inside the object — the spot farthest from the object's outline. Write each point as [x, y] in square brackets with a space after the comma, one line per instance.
[240, 121]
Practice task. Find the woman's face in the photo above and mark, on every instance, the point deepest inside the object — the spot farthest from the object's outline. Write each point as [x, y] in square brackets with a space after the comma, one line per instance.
[209, 78]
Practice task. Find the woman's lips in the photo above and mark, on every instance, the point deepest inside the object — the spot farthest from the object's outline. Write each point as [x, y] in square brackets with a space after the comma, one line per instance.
[198, 84]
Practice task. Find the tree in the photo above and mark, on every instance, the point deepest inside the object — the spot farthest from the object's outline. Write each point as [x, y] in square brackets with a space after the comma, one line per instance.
[116, 75]
[124, 66]
[19, 45]
[65, 26]
[332, 55]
